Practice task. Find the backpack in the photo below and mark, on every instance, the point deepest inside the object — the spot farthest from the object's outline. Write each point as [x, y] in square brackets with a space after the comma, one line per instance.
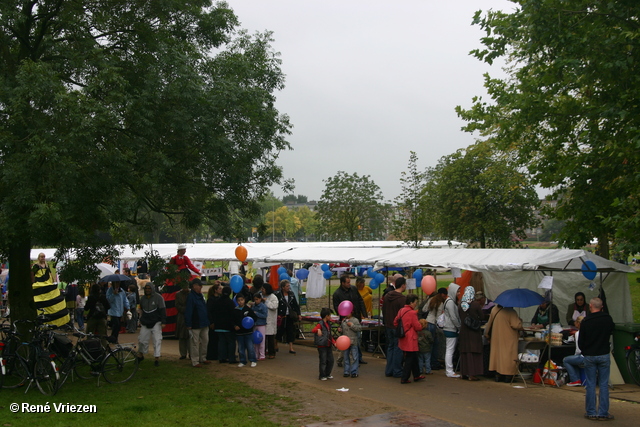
[400, 333]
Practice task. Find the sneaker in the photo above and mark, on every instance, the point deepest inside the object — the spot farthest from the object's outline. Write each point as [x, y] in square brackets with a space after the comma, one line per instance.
[574, 383]
[419, 378]
[606, 418]
[323, 378]
[346, 375]
[354, 375]
[330, 377]
[453, 375]
[240, 365]
[254, 364]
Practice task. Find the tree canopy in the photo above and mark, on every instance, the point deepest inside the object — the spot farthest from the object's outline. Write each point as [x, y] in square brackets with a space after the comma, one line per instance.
[113, 111]
[568, 109]
[411, 222]
[475, 196]
[351, 208]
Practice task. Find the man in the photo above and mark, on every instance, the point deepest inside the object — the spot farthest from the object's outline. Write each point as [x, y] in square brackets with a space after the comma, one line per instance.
[346, 292]
[595, 331]
[182, 261]
[392, 284]
[393, 302]
[119, 307]
[154, 315]
[197, 320]
[186, 271]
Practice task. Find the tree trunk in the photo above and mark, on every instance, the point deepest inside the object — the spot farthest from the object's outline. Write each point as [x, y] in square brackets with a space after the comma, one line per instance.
[603, 246]
[21, 300]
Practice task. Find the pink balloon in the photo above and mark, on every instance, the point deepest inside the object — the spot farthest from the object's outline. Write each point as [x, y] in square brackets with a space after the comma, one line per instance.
[343, 343]
[428, 284]
[345, 308]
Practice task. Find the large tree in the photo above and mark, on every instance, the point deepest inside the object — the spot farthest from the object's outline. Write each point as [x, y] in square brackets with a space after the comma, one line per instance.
[351, 208]
[111, 111]
[475, 195]
[411, 221]
[569, 109]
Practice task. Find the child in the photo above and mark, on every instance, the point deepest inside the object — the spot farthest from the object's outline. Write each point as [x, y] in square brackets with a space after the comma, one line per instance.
[261, 311]
[324, 341]
[425, 344]
[243, 335]
[350, 327]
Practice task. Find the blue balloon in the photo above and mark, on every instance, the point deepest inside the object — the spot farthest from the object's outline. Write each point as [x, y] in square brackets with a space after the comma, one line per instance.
[327, 274]
[281, 270]
[324, 267]
[374, 285]
[257, 337]
[247, 323]
[302, 274]
[417, 274]
[371, 272]
[236, 283]
[284, 276]
[589, 270]
[380, 277]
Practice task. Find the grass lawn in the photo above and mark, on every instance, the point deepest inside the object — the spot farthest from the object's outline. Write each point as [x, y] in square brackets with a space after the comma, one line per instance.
[170, 394]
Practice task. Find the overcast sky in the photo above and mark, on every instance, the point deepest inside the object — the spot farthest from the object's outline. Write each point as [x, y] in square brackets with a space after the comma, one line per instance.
[368, 81]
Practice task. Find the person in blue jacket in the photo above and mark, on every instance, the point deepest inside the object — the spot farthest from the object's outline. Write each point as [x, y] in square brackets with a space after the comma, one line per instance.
[197, 321]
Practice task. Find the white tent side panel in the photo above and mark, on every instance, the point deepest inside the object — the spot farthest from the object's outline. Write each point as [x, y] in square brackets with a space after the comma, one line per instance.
[565, 286]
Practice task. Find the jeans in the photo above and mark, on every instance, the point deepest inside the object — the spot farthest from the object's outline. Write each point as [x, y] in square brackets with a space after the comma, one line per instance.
[80, 318]
[245, 348]
[424, 362]
[448, 358]
[325, 355]
[597, 366]
[394, 355]
[226, 346]
[435, 347]
[572, 364]
[351, 364]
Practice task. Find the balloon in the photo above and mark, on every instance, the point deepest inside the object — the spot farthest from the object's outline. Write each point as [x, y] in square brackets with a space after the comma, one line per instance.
[236, 283]
[247, 323]
[257, 337]
[241, 253]
[285, 276]
[327, 274]
[418, 276]
[379, 277]
[428, 284]
[324, 267]
[374, 285]
[343, 343]
[345, 308]
[302, 274]
[589, 270]
[281, 270]
[371, 272]
[235, 302]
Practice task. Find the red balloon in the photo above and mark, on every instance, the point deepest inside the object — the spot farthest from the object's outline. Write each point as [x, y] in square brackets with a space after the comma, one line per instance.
[241, 253]
[343, 343]
[428, 284]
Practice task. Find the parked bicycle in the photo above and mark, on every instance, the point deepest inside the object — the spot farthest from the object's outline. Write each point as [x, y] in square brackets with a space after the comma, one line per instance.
[29, 361]
[633, 359]
[91, 357]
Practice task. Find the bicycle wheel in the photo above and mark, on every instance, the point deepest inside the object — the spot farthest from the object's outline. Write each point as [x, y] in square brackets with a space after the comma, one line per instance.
[46, 374]
[633, 364]
[83, 369]
[15, 372]
[120, 366]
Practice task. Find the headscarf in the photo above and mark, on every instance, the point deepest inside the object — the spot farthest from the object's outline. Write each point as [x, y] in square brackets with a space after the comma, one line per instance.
[468, 297]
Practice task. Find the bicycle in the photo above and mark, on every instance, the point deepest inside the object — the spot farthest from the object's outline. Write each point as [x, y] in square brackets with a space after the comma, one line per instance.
[633, 359]
[30, 361]
[91, 358]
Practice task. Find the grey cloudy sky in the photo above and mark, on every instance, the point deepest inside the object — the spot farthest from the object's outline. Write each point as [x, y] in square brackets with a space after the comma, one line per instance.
[368, 81]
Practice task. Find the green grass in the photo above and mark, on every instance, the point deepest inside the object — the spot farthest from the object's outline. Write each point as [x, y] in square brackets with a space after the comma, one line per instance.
[172, 394]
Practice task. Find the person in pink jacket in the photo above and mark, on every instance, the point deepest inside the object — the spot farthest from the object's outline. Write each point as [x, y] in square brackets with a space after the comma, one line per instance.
[409, 344]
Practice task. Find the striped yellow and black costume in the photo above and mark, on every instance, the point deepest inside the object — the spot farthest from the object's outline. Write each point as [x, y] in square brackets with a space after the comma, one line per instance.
[47, 296]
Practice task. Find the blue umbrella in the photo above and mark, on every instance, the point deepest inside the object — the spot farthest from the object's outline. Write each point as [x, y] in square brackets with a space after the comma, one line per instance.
[115, 278]
[519, 298]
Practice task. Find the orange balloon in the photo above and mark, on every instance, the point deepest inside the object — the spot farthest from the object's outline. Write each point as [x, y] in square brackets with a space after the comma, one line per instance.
[428, 284]
[241, 253]
[343, 343]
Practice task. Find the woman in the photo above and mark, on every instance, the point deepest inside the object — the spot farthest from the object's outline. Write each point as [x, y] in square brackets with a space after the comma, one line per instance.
[578, 308]
[451, 327]
[288, 313]
[223, 324]
[366, 293]
[215, 291]
[272, 303]
[409, 343]
[502, 332]
[545, 313]
[257, 284]
[435, 306]
[46, 294]
[470, 344]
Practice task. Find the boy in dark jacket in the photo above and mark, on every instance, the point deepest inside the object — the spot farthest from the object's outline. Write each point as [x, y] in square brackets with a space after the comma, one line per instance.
[243, 333]
[325, 353]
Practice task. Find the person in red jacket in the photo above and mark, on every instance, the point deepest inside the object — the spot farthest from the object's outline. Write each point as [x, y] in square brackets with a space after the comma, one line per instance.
[409, 343]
